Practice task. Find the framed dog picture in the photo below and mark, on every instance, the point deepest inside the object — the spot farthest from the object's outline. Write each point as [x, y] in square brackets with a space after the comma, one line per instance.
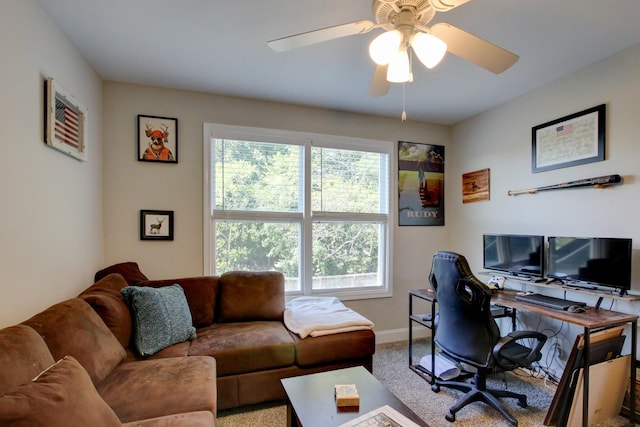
[156, 225]
[157, 139]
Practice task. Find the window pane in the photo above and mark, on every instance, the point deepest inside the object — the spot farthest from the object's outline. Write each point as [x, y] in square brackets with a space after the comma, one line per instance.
[259, 246]
[257, 176]
[315, 207]
[345, 255]
[348, 181]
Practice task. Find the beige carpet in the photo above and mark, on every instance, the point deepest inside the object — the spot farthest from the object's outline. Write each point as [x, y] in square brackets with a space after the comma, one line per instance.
[390, 367]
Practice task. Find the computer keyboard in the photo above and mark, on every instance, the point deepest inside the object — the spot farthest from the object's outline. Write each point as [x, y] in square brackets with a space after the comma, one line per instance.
[548, 301]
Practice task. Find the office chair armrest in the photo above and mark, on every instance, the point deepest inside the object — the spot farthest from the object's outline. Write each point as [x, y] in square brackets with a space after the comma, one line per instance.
[509, 354]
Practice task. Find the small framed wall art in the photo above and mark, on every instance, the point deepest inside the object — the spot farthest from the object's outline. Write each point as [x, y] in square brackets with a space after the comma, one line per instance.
[475, 186]
[156, 225]
[65, 122]
[157, 139]
[569, 141]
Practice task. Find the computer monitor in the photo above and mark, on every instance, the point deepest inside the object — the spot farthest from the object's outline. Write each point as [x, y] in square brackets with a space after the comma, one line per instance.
[591, 261]
[514, 254]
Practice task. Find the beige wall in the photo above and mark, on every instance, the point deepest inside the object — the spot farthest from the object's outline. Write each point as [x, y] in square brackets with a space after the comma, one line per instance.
[501, 140]
[131, 185]
[51, 215]
[63, 219]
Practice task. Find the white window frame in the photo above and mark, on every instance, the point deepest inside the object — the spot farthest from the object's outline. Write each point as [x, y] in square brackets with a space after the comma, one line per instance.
[212, 130]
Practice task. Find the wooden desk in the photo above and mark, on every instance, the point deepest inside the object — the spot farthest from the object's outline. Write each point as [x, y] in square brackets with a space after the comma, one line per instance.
[591, 321]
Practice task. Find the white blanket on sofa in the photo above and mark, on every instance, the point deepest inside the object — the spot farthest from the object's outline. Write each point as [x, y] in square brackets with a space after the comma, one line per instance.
[316, 316]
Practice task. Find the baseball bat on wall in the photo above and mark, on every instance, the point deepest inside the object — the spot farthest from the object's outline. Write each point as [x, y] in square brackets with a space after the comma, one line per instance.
[598, 182]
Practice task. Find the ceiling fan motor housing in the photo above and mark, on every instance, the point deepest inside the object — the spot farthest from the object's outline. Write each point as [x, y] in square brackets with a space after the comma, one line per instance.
[393, 14]
[386, 11]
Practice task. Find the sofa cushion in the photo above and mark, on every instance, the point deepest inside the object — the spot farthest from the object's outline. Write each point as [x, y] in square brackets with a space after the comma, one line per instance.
[63, 395]
[161, 317]
[23, 355]
[73, 328]
[201, 295]
[156, 388]
[334, 347]
[245, 346]
[129, 270]
[105, 298]
[246, 296]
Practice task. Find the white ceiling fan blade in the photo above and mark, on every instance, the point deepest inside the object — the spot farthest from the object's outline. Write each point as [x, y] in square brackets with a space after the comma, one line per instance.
[445, 5]
[321, 35]
[379, 84]
[474, 49]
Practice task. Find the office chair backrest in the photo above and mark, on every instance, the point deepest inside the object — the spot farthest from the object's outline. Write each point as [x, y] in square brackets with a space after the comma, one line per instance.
[466, 329]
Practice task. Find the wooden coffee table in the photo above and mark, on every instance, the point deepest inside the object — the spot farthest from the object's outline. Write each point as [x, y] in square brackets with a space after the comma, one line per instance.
[310, 400]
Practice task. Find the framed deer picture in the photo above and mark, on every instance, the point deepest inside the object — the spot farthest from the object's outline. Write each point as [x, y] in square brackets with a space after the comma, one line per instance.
[157, 139]
[156, 225]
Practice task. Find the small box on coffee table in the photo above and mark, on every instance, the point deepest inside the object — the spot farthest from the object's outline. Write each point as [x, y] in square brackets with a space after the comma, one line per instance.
[346, 395]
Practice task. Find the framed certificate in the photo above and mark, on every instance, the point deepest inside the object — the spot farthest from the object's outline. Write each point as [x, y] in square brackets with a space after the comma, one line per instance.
[569, 141]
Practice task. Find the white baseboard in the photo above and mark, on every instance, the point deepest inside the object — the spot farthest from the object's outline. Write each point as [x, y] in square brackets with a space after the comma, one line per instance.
[394, 335]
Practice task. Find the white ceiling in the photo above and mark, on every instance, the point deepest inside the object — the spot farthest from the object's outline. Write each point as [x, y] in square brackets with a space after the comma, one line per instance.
[220, 47]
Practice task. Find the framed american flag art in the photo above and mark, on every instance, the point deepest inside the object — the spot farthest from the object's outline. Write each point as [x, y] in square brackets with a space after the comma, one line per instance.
[65, 121]
[572, 140]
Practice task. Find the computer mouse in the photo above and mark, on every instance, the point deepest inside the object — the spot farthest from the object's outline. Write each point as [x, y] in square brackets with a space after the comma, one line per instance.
[576, 309]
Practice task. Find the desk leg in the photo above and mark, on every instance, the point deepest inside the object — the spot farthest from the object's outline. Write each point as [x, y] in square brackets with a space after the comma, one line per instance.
[585, 384]
[632, 386]
[410, 330]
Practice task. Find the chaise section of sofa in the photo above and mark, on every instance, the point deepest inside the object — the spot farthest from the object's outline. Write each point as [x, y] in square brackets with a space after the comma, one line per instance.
[160, 387]
[67, 363]
[239, 322]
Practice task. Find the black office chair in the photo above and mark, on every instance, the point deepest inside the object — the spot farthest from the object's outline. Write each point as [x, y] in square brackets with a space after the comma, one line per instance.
[467, 332]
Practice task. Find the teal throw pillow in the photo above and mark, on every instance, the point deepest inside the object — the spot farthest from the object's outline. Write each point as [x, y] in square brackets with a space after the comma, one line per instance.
[161, 317]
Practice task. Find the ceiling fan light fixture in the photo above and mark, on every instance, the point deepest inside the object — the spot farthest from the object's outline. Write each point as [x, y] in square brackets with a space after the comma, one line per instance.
[429, 49]
[399, 68]
[384, 47]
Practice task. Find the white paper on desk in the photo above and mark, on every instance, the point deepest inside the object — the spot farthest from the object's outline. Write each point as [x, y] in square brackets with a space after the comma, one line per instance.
[445, 368]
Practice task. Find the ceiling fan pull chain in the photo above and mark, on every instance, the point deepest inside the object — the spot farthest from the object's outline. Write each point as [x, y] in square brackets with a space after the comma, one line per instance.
[404, 95]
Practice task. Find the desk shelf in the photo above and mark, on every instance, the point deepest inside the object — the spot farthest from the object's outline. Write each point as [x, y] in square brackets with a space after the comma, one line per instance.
[568, 288]
[429, 296]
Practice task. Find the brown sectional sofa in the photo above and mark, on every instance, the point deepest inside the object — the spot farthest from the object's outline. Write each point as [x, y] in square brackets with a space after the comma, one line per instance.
[239, 322]
[78, 361]
[93, 384]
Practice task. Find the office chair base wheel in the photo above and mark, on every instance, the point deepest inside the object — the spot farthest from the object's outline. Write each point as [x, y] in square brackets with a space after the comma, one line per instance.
[451, 417]
[522, 402]
[435, 388]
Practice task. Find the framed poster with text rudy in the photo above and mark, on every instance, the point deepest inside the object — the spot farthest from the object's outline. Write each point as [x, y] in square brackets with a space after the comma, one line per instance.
[420, 184]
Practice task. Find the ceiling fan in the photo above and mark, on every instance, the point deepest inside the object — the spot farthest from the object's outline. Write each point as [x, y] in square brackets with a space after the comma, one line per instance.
[405, 22]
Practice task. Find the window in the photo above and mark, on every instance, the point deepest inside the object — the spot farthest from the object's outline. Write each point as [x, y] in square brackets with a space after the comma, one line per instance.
[314, 207]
